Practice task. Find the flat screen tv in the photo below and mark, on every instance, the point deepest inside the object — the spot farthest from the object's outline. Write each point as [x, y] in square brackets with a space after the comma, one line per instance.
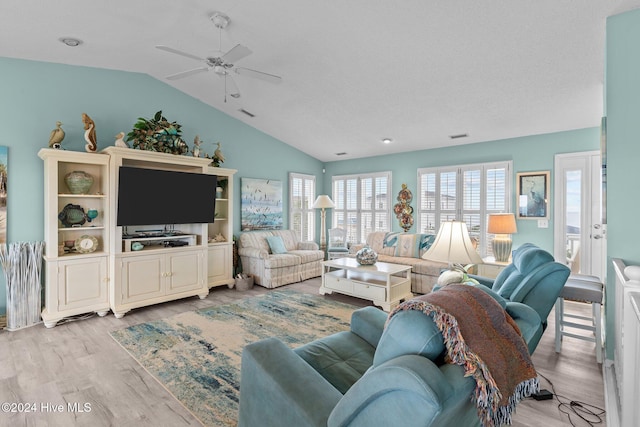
[161, 197]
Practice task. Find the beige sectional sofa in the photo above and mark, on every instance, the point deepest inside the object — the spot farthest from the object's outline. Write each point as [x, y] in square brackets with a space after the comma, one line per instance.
[407, 249]
[302, 260]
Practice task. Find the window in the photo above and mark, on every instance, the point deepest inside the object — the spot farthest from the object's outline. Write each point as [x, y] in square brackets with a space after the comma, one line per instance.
[362, 204]
[466, 193]
[302, 190]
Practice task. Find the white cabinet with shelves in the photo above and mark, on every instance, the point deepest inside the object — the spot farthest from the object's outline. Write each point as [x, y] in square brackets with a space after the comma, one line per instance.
[76, 278]
[156, 273]
[220, 256]
[105, 272]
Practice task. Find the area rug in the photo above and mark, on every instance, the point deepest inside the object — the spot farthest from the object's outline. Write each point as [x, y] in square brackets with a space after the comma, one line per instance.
[196, 355]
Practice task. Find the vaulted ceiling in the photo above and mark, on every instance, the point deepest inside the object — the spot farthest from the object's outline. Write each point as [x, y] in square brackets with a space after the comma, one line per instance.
[353, 72]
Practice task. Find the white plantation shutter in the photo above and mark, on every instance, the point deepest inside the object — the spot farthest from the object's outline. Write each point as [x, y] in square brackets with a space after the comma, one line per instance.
[362, 204]
[466, 193]
[302, 190]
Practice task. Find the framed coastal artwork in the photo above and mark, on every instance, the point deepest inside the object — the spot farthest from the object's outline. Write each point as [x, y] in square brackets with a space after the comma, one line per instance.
[3, 194]
[532, 190]
[261, 204]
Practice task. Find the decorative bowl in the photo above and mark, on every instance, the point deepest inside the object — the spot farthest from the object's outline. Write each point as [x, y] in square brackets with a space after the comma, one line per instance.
[79, 182]
[72, 215]
[366, 256]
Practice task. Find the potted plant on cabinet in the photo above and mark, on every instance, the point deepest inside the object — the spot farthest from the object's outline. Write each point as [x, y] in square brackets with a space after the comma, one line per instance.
[158, 134]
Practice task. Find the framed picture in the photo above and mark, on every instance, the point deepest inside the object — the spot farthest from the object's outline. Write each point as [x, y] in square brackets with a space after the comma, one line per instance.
[533, 195]
[261, 204]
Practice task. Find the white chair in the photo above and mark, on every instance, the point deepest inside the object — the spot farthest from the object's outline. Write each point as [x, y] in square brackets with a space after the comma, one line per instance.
[337, 243]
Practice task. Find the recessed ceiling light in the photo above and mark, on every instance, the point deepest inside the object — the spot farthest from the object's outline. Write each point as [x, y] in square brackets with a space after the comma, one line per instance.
[70, 41]
[387, 140]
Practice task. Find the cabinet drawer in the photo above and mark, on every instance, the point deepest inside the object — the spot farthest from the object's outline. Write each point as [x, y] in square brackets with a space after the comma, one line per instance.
[338, 283]
[365, 290]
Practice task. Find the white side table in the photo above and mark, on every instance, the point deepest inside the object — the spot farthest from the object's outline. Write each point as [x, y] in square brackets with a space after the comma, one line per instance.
[491, 268]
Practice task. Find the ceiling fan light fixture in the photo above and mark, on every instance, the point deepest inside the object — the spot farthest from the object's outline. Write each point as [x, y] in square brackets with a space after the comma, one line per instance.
[220, 70]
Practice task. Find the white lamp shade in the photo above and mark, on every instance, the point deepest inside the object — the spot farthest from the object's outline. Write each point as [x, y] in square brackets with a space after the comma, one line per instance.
[453, 245]
[323, 201]
[503, 223]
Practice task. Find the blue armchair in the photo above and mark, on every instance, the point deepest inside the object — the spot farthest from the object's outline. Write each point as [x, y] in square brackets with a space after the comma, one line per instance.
[533, 279]
[369, 376]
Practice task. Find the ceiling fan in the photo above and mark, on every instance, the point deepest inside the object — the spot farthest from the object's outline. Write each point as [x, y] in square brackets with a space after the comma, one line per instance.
[224, 64]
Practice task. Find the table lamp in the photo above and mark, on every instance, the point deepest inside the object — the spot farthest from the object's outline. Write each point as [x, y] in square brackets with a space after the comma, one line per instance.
[453, 245]
[503, 225]
[323, 202]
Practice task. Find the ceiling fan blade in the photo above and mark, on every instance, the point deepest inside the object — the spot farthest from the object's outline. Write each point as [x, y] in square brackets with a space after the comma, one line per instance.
[258, 74]
[178, 52]
[187, 73]
[236, 53]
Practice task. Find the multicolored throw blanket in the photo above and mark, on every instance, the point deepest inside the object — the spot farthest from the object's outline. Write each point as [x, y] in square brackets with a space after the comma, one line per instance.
[481, 337]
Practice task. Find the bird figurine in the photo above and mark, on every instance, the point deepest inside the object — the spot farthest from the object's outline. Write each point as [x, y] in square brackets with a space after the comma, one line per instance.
[120, 142]
[89, 134]
[56, 137]
[218, 157]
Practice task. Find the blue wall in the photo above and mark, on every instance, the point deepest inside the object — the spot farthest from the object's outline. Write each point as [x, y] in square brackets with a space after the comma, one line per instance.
[34, 95]
[530, 153]
[623, 148]
[31, 104]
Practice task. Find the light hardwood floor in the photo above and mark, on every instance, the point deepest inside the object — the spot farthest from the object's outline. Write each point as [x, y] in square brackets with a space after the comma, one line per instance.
[78, 363]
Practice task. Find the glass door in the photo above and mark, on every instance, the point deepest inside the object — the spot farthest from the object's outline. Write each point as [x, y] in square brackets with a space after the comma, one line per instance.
[579, 234]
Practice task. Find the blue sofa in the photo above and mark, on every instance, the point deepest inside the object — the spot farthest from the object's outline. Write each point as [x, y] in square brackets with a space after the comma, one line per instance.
[369, 376]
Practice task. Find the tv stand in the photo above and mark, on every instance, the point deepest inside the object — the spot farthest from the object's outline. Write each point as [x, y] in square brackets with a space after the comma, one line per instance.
[161, 270]
[110, 275]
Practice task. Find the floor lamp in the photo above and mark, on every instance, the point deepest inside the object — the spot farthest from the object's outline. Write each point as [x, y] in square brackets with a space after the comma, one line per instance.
[323, 202]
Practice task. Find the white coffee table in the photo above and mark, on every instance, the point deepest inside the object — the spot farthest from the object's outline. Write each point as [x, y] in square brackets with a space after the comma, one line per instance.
[386, 285]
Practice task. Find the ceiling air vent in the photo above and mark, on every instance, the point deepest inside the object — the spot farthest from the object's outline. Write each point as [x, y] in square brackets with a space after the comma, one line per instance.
[460, 135]
[242, 110]
[341, 154]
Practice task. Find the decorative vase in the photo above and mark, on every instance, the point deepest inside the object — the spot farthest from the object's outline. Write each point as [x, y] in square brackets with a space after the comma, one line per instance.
[366, 256]
[92, 214]
[79, 182]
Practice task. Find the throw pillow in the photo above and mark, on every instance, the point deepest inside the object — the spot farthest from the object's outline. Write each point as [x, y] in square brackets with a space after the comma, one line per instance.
[406, 246]
[390, 239]
[424, 243]
[276, 244]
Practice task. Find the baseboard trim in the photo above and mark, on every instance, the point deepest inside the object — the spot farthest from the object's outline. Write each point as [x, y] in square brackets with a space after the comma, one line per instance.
[611, 398]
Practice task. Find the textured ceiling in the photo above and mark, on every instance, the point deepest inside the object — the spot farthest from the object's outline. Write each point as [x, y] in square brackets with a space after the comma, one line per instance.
[353, 72]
